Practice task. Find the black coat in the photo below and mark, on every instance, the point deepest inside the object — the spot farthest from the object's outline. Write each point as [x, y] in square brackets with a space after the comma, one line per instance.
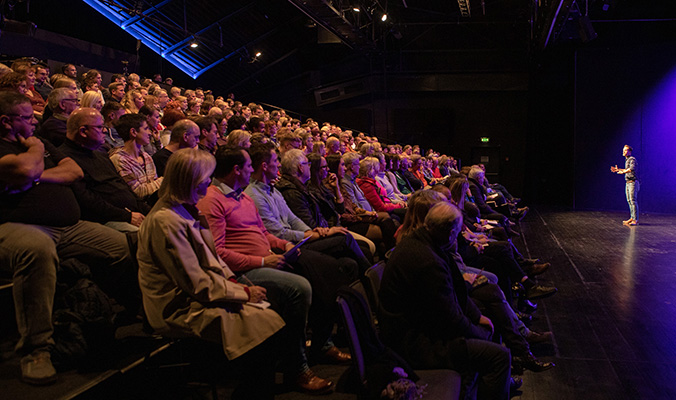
[426, 311]
[301, 202]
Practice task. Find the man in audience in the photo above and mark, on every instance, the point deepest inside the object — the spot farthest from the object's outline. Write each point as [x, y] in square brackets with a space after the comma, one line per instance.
[71, 72]
[208, 134]
[42, 85]
[184, 133]
[102, 194]
[62, 102]
[111, 112]
[39, 224]
[332, 146]
[428, 317]
[243, 243]
[116, 90]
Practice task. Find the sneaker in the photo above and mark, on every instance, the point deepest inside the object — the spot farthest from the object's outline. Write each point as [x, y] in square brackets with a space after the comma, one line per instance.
[632, 223]
[627, 221]
[37, 368]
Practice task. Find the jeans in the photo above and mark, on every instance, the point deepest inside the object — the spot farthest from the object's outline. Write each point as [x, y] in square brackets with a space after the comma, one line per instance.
[290, 295]
[31, 253]
[631, 189]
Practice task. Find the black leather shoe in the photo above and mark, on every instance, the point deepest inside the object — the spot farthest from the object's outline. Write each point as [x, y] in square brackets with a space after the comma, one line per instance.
[531, 363]
[540, 292]
[515, 383]
[538, 337]
[526, 306]
[525, 318]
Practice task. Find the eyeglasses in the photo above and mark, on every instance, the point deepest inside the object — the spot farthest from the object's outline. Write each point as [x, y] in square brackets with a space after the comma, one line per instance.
[324, 167]
[99, 127]
[75, 100]
[27, 118]
[305, 163]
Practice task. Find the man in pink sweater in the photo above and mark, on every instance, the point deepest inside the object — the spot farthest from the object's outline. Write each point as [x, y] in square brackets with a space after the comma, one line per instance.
[247, 247]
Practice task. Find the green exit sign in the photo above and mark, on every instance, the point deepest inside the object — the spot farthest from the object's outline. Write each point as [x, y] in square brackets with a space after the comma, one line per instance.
[485, 139]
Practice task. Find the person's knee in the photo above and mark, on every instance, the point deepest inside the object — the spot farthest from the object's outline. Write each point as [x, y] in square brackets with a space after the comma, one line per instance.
[28, 247]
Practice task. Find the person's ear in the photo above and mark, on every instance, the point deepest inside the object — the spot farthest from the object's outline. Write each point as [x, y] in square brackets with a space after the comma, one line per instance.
[5, 122]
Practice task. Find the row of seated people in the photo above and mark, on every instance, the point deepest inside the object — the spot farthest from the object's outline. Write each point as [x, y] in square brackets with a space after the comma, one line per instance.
[305, 185]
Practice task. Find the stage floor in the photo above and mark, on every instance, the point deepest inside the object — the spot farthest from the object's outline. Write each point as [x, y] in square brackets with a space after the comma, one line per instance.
[613, 318]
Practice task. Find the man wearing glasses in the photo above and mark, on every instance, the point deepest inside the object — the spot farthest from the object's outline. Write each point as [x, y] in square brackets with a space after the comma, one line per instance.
[62, 102]
[40, 224]
[102, 194]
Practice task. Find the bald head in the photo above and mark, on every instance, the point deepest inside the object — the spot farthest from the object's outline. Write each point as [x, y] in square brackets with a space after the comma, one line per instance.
[85, 127]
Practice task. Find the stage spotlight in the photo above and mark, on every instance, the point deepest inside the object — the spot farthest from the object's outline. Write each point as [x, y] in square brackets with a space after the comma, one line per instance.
[356, 9]
[194, 45]
[383, 18]
[259, 54]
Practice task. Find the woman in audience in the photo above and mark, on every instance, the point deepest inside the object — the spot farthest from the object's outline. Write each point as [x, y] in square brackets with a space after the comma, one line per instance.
[374, 192]
[325, 189]
[133, 101]
[239, 138]
[15, 82]
[132, 163]
[187, 289]
[375, 226]
[37, 102]
[153, 117]
[92, 99]
[392, 192]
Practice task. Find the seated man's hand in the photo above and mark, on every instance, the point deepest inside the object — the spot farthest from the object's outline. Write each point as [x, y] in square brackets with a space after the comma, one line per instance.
[486, 323]
[136, 218]
[275, 261]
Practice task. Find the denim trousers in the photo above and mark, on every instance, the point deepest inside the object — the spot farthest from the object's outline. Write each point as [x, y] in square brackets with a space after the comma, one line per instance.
[631, 189]
[290, 295]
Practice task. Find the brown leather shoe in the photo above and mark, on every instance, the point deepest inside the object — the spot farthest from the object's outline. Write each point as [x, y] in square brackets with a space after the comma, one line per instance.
[312, 384]
[537, 269]
[334, 354]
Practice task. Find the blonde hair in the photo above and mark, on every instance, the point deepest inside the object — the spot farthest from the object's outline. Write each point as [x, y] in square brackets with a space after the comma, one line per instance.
[186, 169]
[89, 99]
[238, 138]
[368, 165]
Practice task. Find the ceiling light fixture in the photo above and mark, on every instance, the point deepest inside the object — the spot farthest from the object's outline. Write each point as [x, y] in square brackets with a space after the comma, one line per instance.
[383, 18]
[194, 45]
[356, 9]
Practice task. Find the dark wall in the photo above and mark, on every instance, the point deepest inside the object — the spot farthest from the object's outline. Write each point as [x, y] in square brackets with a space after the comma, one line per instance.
[625, 95]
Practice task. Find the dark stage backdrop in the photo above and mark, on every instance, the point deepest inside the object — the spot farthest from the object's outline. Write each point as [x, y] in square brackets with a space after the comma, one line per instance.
[625, 96]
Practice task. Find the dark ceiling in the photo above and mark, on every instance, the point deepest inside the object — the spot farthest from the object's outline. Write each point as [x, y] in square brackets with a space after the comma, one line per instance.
[297, 36]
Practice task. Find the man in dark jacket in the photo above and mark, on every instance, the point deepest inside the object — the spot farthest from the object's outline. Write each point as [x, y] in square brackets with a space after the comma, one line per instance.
[102, 194]
[427, 315]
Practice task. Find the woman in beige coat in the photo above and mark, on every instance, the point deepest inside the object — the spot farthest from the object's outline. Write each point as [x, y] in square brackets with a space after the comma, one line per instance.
[188, 291]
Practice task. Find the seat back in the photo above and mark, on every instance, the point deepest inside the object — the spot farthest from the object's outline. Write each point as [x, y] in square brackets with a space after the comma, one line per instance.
[374, 276]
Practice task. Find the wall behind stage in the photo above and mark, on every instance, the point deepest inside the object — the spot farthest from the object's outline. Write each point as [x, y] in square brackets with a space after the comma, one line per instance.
[625, 96]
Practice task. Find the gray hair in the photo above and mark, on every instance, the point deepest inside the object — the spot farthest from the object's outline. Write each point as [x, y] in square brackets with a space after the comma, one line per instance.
[180, 128]
[443, 219]
[367, 165]
[291, 160]
[349, 157]
[475, 172]
[56, 95]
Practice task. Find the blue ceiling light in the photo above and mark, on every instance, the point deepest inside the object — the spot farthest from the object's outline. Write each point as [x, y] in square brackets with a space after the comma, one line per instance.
[136, 23]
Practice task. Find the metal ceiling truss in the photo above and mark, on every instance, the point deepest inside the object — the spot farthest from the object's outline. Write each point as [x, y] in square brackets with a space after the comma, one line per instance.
[147, 22]
[340, 18]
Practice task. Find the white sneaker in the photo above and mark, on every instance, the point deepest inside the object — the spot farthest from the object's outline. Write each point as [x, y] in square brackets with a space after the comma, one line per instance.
[37, 368]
